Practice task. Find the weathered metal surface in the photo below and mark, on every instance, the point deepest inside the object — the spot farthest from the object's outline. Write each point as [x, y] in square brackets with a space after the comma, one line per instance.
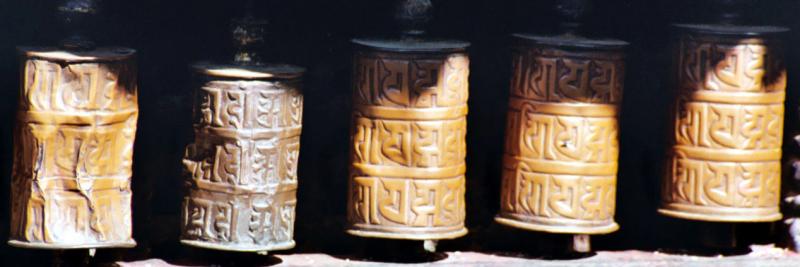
[561, 149]
[73, 148]
[241, 170]
[724, 163]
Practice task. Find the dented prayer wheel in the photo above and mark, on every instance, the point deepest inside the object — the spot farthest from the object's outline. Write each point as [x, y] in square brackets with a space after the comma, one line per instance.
[73, 148]
[241, 169]
[408, 139]
[724, 162]
[561, 146]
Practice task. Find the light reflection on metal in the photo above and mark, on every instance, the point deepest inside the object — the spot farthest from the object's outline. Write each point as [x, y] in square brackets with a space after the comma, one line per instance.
[724, 163]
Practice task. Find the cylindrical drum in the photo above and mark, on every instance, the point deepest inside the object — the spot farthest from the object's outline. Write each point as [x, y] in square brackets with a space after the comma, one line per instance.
[561, 149]
[724, 163]
[73, 148]
[241, 170]
[408, 140]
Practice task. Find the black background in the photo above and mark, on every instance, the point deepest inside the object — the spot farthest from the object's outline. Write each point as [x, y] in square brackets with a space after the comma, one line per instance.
[170, 34]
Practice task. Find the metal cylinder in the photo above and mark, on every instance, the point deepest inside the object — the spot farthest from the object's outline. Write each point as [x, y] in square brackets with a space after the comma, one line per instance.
[73, 148]
[408, 139]
[724, 163]
[561, 149]
[241, 169]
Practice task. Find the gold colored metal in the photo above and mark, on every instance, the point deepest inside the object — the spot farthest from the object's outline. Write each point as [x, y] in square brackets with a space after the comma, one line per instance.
[408, 144]
[724, 164]
[560, 163]
[73, 149]
[241, 171]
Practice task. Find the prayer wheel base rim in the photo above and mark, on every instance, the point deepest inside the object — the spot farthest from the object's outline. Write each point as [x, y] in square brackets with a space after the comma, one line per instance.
[408, 236]
[240, 248]
[560, 229]
[739, 218]
[56, 246]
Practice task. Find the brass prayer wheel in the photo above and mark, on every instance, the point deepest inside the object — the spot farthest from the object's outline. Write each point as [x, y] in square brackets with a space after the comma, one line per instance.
[408, 137]
[73, 145]
[241, 170]
[561, 146]
[561, 149]
[724, 163]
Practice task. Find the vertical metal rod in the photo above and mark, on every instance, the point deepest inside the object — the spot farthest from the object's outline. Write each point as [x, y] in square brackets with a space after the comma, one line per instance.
[581, 243]
[430, 245]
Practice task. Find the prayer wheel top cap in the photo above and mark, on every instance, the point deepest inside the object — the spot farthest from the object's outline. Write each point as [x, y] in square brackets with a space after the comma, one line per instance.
[573, 14]
[100, 54]
[731, 30]
[250, 72]
[248, 35]
[76, 17]
[571, 41]
[412, 18]
[412, 45]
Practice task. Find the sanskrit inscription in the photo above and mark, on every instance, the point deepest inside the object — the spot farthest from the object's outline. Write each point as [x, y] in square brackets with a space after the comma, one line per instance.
[241, 170]
[408, 145]
[728, 130]
[561, 146]
[73, 150]
[533, 194]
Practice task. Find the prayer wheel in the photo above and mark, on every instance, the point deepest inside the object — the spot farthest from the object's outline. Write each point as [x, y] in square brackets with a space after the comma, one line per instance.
[73, 144]
[727, 125]
[241, 169]
[561, 148]
[408, 134]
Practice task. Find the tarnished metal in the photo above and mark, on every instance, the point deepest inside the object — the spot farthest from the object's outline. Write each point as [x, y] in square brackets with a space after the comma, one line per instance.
[73, 147]
[241, 169]
[724, 163]
[73, 140]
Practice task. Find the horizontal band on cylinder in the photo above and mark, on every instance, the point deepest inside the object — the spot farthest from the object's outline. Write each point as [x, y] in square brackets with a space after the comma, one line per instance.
[407, 233]
[254, 222]
[239, 247]
[564, 167]
[97, 55]
[66, 117]
[77, 245]
[737, 97]
[411, 114]
[281, 133]
[720, 214]
[727, 155]
[243, 189]
[360, 169]
[568, 109]
[557, 225]
[120, 182]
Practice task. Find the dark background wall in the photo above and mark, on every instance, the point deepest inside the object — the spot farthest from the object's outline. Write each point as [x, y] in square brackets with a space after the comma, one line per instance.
[315, 34]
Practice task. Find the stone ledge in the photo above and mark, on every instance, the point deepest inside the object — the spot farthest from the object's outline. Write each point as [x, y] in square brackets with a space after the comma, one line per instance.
[761, 255]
